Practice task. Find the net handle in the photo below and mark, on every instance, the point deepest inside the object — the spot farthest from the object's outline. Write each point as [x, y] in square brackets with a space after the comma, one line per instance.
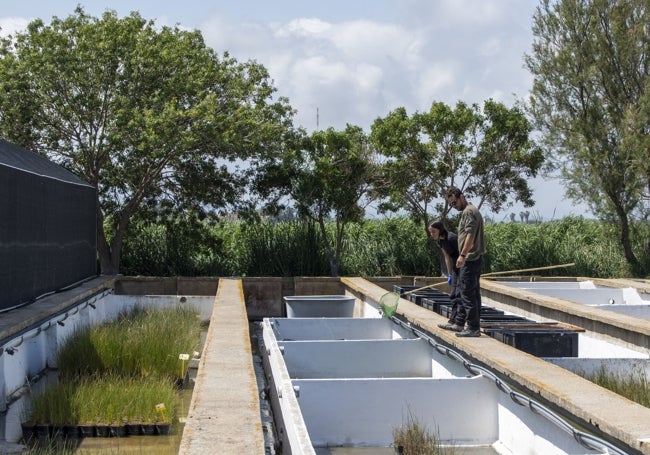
[424, 287]
[534, 269]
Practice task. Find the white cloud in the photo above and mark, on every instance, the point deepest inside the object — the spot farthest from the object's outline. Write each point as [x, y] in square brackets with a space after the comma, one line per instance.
[491, 47]
[316, 63]
[349, 70]
[437, 78]
[11, 25]
[459, 14]
[304, 28]
[353, 69]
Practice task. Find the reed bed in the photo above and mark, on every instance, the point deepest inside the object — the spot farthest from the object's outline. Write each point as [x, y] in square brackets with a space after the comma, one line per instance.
[105, 400]
[590, 244]
[286, 249]
[377, 247]
[126, 371]
[140, 343]
[388, 247]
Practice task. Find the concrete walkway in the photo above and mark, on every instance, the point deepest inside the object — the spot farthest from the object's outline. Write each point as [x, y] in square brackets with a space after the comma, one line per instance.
[224, 415]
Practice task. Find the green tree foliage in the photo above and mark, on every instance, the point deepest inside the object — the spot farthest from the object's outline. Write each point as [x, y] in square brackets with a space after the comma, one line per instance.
[332, 184]
[486, 152]
[150, 116]
[590, 61]
[327, 176]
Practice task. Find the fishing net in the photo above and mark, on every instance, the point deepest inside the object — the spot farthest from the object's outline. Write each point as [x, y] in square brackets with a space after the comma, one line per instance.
[388, 303]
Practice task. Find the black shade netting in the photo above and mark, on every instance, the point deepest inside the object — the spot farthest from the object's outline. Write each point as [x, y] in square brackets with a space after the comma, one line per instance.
[48, 227]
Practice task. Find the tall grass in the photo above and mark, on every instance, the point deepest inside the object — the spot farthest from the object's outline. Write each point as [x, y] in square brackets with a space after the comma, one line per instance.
[105, 400]
[168, 248]
[375, 247]
[119, 372]
[388, 247]
[592, 245]
[291, 248]
[415, 438]
[635, 387]
[140, 343]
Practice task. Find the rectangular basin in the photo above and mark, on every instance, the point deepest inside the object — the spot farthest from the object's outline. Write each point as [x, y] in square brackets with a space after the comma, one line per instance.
[303, 329]
[319, 306]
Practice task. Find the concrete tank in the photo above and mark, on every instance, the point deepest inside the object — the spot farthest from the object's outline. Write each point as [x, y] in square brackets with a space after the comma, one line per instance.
[319, 306]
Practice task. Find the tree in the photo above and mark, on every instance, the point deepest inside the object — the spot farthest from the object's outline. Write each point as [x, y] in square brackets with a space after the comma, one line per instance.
[327, 177]
[150, 116]
[590, 61]
[485, 152]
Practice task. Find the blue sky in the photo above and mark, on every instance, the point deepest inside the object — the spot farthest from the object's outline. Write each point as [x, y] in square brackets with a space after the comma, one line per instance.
[352, 61]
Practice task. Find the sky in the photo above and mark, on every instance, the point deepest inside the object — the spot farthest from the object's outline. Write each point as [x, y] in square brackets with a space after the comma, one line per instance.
[350, 62]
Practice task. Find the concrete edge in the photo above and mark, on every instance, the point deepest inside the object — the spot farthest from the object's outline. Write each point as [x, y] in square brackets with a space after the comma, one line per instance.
[604, 413]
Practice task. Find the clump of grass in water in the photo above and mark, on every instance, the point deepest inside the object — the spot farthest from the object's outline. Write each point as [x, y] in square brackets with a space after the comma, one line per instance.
[414, 438]
[105, 400]
[121, 371]
[634, 387]
[143, 342]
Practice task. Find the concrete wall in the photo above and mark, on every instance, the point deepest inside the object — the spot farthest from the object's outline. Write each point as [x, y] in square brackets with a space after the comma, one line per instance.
[263, 294]
[224, 415]
[140, 285]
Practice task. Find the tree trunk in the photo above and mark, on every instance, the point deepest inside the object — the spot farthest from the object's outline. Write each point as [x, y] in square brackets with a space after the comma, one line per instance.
[110, 254]
[625, 242]
[103, 248]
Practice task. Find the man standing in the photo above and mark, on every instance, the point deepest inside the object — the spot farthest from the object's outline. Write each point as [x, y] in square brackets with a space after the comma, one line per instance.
[471, 246]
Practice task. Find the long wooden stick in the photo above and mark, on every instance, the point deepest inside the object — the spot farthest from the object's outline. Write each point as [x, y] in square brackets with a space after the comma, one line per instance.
[422, 288]
[505, 272]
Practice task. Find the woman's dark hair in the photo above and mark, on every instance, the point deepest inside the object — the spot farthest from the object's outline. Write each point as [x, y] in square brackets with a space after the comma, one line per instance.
[453, 191]
[437, 224]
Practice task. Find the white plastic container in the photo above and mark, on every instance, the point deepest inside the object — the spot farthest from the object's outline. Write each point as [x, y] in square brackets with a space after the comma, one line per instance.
[319, 306]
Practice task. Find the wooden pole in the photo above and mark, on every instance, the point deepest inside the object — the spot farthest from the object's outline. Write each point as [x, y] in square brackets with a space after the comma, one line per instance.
[424, 287]
[505, 272]
[534, 269]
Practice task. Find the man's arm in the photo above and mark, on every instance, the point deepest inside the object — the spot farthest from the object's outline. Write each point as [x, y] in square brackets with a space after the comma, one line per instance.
[464, 251]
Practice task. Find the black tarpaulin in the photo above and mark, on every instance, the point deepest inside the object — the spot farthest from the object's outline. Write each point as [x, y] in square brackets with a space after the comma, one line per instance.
[47, 227]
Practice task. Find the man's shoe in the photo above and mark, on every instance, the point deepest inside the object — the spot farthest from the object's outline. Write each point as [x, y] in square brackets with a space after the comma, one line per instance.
[469, 333]
[452, 327]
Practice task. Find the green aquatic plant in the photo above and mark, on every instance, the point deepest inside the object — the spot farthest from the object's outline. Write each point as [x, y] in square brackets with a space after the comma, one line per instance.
[105, 400]
[415, 438]
[123, 371]
[142, 342]
[634, 387]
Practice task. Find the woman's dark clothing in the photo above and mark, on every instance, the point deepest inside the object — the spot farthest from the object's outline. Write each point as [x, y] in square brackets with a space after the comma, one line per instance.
[450, 246]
